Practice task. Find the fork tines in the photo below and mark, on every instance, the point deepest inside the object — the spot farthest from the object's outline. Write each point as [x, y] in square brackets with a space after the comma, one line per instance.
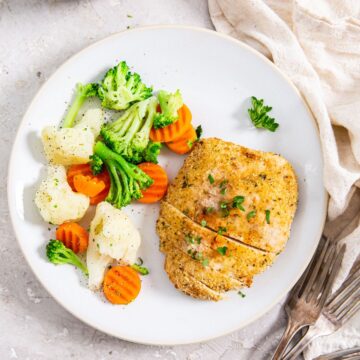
[345, 302]
[318, 278]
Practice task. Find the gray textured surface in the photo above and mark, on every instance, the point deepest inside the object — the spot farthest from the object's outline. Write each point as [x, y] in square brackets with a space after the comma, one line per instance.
[36, 36]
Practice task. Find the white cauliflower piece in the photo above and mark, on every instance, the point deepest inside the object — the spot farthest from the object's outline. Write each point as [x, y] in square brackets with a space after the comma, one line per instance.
[113, 236]
[96, 264]
[91, 121]
[68, 146]
[55, 199]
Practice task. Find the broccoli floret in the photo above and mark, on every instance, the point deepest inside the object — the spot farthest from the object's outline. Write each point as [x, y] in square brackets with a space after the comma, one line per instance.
[129, 135]
[82, 93]
[96, 164]
[152, 152]
[120, 88]
[169, 104]
[58, 253]
[127, 180]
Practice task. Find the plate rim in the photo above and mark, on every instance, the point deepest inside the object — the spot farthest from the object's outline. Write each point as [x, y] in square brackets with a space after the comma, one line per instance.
[12, 210]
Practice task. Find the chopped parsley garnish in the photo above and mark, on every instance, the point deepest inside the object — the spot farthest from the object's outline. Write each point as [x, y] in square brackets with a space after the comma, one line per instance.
[241, 294]
[222, 187]
[211, 179]
[251, 214]
[267, 216]
[209, 210]
[237, 202]
[224, 209]
[259, 115]
[140, 269]
[190, 144]
[222, 230]
[189, 239]
[197, 255]
[223, 205]
[198, 239]
[199, 132]
[223, 184]
[222, 250]
[203, 222]
[205, 262]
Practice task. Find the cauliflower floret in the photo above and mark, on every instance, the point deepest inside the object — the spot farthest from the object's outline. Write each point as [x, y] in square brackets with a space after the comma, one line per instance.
[112, 237]
[91, 121]
[55, 199]
[96, 264]
[68, 146]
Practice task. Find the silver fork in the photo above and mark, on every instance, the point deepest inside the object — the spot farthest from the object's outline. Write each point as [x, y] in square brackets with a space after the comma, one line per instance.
[348, 354]
[341, 306]
[309, 294]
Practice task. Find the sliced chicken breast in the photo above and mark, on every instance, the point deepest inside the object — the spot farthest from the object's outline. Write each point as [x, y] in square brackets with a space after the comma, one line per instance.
[248, 195]
[187, 283]
[226, 256]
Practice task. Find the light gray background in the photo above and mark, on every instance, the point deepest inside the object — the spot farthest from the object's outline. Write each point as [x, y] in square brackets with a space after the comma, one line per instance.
[36, 36]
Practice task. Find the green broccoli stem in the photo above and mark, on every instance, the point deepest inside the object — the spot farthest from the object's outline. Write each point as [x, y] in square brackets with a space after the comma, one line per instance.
[131, 170]
[82, 93]
[77, 262]
[73, 111]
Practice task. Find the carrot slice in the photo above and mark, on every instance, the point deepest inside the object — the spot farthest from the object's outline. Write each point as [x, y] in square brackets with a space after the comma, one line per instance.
[158, 189]
[174, 130]
[183, 144]
[121, 285]
[82, 169]
[82, 180]
[74, 236]
[88, 185]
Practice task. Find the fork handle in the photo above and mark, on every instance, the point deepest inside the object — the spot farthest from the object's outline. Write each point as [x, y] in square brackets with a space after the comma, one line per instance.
[291, 329]
[313, 333]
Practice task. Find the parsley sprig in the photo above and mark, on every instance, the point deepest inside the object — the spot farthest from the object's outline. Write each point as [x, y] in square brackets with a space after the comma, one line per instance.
[259, 115]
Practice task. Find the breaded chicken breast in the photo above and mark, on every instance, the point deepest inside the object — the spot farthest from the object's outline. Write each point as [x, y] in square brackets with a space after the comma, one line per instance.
[226, 217]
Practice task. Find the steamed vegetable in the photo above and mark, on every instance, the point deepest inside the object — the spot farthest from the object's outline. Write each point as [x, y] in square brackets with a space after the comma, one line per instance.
[184, 143]
[259, 115]
[122, 285]
[82, 180]
[157, 190]
[127, 180]
[112, 237]
[120, 88]
[129, 135]
[152, 151]
[56, 201]
[59, 254]
[82, 93]
[68, 146]
[73, 236]
[174, 130]
[169, 105]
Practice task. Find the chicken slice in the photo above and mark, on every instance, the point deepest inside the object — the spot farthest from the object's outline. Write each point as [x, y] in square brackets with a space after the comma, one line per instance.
[239, 261]
[216, 173]
[188, 284]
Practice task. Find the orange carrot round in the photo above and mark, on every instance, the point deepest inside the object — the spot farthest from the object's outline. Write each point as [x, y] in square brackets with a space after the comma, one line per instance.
[157, 190]
[121, 285]
[82, 180]
[73, 170]
[74, 236]
[88, 185]
[183, 144]
[174, 130]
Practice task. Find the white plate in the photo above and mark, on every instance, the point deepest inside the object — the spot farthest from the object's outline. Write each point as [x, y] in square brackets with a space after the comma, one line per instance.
[216, 75]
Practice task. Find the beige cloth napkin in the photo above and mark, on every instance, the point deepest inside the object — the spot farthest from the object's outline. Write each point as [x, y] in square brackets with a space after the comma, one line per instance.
[316, 43]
